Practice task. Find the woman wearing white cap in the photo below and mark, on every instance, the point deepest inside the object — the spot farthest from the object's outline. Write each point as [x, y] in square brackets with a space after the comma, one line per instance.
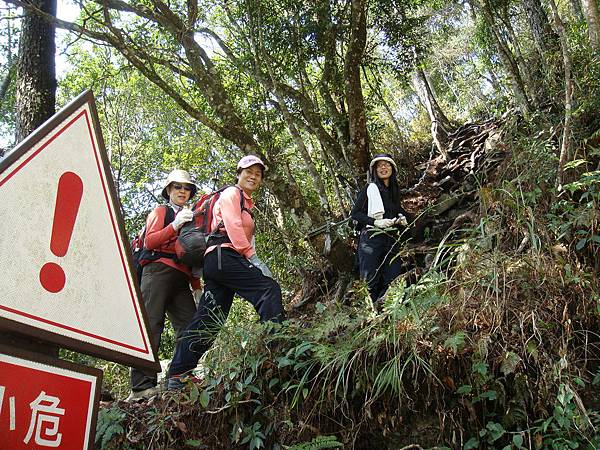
[165, 283]
[378, 208]
[231, 267]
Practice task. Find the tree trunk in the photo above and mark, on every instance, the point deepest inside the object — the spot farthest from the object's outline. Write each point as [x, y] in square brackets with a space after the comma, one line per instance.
[312, 169]
[592, 16]
[440, 125]
[543, 36]
[36, 74]
[376, 88]
[6, 81]
[577, 11]
[10, 62]
[331, 85]
[359, 138]
[566, 136]
[507, 58]
[524, 68]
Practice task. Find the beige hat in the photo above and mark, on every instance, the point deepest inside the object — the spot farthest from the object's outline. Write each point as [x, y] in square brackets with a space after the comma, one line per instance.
[178, 176]
[382, 157]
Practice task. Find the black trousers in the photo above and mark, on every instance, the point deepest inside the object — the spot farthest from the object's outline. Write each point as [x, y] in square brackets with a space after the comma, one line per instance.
[378, 261]
[165, 291]
[234, 275]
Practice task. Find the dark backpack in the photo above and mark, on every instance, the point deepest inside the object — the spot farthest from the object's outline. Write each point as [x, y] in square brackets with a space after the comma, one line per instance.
[141, 255]
[196, 236]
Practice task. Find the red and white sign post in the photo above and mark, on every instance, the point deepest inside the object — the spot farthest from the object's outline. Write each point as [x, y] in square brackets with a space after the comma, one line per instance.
[67, 272]
[44, 405]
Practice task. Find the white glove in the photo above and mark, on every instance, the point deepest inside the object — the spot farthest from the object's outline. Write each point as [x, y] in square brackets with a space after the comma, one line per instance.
[401, 220]
[185, 215]
[384, 223]
[197, 293]
[260, 265]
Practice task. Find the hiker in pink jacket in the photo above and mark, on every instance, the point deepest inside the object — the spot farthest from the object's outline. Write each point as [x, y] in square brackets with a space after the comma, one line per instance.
[231, 267]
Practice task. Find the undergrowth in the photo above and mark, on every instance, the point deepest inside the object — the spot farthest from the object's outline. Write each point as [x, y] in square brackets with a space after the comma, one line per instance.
[499, 352]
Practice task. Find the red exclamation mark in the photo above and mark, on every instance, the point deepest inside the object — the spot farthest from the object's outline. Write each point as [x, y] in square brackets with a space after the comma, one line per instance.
[68, 198]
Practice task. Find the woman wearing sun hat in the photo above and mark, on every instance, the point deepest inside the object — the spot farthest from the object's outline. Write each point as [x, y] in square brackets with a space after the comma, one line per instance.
[229, 268]
[380, 217]
[165, 283]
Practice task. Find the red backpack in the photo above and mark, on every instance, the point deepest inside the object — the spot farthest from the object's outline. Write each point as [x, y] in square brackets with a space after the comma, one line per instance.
[196, 236]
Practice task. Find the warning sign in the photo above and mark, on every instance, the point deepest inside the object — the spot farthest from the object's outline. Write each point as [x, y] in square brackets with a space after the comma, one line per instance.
[46, 403]
[63, 252]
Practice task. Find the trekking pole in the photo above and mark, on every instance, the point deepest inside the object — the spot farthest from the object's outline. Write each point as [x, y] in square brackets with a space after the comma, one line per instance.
[215, 180]
[325, 227]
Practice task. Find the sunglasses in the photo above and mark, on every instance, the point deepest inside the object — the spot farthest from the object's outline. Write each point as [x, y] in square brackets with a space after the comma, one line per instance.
[185, 187]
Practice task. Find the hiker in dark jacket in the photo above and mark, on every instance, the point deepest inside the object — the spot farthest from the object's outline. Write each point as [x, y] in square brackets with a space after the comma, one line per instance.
[230, 267]
[166, 284]
[380, 218]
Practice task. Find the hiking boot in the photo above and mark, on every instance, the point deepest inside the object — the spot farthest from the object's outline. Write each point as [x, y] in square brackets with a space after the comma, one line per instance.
[143, 394]
[178, 382]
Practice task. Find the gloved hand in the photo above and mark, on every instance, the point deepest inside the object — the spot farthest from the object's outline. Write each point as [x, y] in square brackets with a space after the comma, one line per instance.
[197, 293]
[384, 223]
[185, 215]
[401, 220]
[261, 265]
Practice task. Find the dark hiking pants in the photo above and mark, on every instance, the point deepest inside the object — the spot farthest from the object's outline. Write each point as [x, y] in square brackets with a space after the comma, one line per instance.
[165, 290]
[378, 261]
[236, 275]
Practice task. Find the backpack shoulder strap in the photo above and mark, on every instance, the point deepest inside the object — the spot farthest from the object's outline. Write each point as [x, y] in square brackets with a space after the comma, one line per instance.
[169, 218]
[242, 201]
[169, 215]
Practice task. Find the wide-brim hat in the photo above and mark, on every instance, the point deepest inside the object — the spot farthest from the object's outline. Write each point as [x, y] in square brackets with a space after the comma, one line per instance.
[382, 157]
[250, 160]
[179, 176]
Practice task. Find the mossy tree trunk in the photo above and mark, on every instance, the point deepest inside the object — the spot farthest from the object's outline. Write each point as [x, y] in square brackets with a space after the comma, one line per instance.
[36, 73]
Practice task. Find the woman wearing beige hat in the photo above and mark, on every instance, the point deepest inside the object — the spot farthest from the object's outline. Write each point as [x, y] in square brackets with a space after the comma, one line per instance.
[165, 283]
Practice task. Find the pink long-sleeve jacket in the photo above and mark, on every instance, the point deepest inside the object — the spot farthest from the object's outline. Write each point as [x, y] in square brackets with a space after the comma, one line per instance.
[239, 223]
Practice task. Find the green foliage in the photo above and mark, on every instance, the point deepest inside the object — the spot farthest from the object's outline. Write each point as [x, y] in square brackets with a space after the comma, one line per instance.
[194, 443]
[145, 132]
[109, 427]
[115, 378]
[253, 436]
[318, 443]
[456, 341]
[9, 40]
[575, 218]
[563, 429]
